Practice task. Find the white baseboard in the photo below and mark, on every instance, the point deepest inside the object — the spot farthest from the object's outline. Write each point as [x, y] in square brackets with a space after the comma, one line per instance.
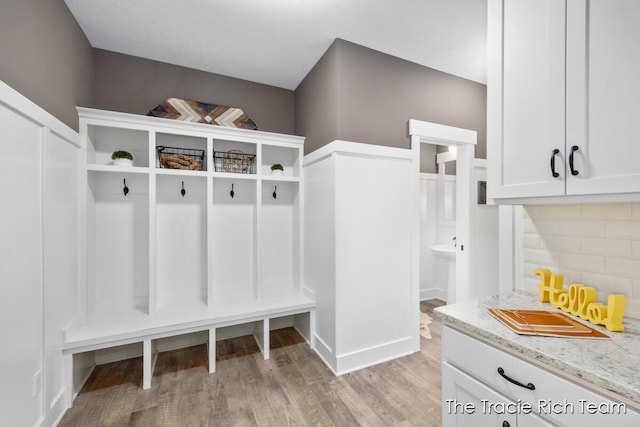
[56, 410]
[432, 293]
[364, 358]
[325, 353]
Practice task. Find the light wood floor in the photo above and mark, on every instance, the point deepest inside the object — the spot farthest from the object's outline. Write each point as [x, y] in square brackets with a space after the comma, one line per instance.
[293, 388]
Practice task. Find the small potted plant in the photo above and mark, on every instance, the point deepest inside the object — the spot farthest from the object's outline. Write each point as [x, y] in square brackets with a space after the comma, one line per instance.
[277, 169]
[122, 158]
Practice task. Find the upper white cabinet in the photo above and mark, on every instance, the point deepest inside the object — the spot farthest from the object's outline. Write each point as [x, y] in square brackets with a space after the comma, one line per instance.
[562, 97]
[603, 64]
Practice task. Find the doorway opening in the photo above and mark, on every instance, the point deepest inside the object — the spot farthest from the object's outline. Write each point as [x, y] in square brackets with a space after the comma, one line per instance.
[463, 142]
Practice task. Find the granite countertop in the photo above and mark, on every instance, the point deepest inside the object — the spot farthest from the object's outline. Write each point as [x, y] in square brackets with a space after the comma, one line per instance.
[612, 364]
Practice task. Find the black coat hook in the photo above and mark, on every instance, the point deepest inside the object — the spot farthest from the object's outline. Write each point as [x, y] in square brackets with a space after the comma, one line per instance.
[232, 193]
[183, 191]
[275, 192]
[125, 189]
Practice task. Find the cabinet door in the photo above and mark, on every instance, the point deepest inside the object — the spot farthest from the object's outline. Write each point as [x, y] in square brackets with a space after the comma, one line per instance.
[468, 402]
[526, 97]
[603, 91]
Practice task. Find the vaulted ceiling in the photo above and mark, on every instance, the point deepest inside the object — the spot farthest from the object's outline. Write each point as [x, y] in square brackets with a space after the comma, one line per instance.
[277, 42]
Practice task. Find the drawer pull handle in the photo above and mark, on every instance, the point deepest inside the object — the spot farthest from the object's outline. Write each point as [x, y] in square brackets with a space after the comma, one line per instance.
[511, 380]
[554, 153]
[573, 150]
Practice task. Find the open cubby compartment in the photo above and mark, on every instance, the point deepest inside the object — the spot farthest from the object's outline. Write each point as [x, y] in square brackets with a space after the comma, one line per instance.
[287, 156]
[117, 243]
[102, 141]
[192, 146]
[181, 242]
[255, 328]
[301, 322]
[224, 146]
[280, 239]
[232, 244]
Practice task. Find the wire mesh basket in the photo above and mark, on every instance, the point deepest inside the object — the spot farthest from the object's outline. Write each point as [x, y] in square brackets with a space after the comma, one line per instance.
[180, 158]
[234, 161]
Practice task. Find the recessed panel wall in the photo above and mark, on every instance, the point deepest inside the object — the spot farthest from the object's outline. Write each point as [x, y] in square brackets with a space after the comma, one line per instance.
[118, 246]
[280, 237]
[233, 238]
[181, 239]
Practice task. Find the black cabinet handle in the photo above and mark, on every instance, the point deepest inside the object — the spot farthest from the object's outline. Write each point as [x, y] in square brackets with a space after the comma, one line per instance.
[554, 153]
[506, 424]
[573, 150]
[512, 381]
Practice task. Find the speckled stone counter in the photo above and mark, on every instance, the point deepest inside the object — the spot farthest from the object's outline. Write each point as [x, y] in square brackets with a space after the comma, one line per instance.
[612, 365]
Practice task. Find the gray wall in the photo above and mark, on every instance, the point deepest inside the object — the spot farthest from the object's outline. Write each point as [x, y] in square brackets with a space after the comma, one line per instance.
[45, 56]
[136, 85]
[377, 94]
[352, 93]
[316, 103]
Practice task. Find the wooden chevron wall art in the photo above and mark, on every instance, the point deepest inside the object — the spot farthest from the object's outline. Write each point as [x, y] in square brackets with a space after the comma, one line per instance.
[200, 112]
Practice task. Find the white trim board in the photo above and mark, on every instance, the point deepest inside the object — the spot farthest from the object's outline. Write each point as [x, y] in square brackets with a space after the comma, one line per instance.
[17, 102]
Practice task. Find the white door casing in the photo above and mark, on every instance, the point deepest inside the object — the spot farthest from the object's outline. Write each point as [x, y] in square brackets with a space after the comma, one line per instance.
[465, 141]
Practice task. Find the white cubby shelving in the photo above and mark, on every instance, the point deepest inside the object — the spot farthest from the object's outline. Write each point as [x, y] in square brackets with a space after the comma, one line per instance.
[161, 264]
[103, 139]
[283, 155]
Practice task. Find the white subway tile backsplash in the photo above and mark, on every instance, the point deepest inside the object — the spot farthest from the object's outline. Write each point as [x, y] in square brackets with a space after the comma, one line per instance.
[561, 243]
[635, 249]
[606, 247]
[532, 211]
[541, 226]
[597, 245]
[528, 226]
[577, 227]
[532, 241]
[607, 211]
[560, 211]
[530, 283]
[528, 269]
[540, 256]
[633, 308]
[580, 262]
[622, 230]
[569, 276]
[623, 267]
[608, 284]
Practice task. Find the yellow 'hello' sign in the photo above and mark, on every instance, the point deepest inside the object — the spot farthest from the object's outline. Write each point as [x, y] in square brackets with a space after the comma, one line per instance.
[580, 301]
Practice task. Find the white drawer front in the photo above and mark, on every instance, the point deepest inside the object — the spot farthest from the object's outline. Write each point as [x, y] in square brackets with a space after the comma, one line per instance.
[559, 400]
[469, 403]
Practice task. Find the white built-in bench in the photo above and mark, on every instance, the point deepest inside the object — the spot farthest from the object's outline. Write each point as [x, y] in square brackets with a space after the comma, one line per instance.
[140, 327]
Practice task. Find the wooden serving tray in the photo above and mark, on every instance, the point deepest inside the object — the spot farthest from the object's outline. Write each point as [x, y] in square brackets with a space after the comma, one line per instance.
[545, 323]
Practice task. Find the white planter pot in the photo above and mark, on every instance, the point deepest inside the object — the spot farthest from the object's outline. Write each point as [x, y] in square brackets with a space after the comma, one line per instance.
[277, 172]
[123, 162]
